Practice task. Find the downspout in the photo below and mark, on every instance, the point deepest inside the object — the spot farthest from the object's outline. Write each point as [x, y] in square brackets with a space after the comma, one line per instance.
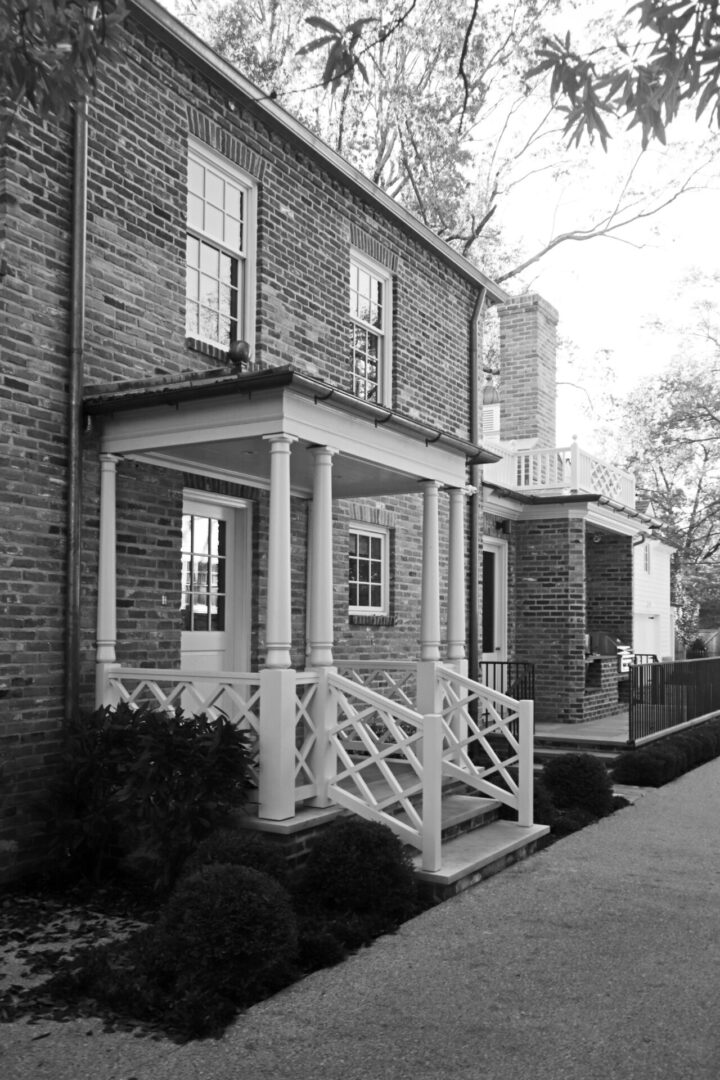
[74, 410]
[475, 498]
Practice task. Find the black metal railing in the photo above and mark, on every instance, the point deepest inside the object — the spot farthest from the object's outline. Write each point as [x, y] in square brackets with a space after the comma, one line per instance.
[512, 677]
[665, 695]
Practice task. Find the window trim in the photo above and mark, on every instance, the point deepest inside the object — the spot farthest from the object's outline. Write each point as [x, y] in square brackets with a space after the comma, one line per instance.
[206, 155]
[362, 528]
[364, 262]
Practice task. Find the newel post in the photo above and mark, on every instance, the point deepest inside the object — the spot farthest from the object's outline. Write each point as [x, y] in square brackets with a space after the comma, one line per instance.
[432, 792]
[525, 763]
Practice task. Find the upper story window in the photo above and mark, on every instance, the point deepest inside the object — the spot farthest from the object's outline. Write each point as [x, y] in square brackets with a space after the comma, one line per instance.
[371, 329]
[220, 249]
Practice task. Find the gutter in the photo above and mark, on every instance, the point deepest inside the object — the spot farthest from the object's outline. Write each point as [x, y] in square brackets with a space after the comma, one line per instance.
[189, 390]
[74, 411]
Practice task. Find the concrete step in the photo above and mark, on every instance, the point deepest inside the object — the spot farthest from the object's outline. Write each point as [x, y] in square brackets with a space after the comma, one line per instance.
[547, 752]
[474, 856]
[463, 813]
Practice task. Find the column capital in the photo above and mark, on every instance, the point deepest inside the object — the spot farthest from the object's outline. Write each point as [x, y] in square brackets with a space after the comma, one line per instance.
[319, 450]
[280, 437]
[107, 459]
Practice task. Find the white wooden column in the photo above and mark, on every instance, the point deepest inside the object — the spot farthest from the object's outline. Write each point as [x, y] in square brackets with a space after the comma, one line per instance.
[321, 559]
[278, 632]
[456, 578]
[106, 638]
[430, 592]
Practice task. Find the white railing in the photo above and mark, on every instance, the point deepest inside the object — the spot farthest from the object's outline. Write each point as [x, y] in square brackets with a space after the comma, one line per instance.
[564, 469]
[383, 765]
[307, 735]
[235, 695]
[488, 741]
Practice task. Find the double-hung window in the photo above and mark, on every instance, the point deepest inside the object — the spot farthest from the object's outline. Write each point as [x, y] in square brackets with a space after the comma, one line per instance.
[371, 329]
[220, 249]
[368, 574]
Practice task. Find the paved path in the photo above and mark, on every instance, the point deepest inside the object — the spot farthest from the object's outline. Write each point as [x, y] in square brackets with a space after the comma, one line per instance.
[598, 959]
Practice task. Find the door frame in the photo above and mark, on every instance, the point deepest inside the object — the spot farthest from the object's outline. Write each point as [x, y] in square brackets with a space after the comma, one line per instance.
[499, 548]
[239, 610]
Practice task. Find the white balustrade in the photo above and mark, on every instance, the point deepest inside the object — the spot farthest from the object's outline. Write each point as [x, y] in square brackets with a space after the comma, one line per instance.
[561, 470]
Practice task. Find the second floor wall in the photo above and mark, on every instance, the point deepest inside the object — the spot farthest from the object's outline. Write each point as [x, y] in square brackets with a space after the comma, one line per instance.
[208, 221]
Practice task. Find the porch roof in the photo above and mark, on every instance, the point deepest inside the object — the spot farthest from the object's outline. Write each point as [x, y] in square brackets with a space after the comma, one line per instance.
[217, 423]
[598, 510]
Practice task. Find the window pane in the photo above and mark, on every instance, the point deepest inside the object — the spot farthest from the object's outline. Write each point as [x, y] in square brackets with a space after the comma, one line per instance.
[209, 260]
[208, 325]
[214, 186]
[376, 596]
[213, 221]
[375, 547]
[195, 212]
[195, 177]
[232, 235]
[193, 251]
[201, 534]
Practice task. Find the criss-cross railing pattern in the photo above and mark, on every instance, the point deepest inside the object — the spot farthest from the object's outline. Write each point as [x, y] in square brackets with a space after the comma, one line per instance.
[306, 735]
[379, 746]
[233, 695]
[487, 740]
[393, 679]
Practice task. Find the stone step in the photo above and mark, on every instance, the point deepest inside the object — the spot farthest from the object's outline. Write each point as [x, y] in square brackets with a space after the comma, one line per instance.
[463, 813]
[474, 856]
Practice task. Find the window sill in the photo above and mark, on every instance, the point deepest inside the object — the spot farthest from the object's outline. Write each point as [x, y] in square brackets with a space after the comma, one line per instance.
[371, 620]
[207, 349]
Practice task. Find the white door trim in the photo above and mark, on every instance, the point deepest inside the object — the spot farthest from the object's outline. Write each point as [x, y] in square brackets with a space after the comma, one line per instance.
[500, 549]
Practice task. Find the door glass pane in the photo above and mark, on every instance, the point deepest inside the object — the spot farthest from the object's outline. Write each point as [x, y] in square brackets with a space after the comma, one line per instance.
[488, 602]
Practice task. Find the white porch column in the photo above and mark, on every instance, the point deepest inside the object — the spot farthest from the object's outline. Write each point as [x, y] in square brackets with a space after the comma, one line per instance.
[456, 578]
[430, 590]
[106, 638]
[321, 559]
[278, 633]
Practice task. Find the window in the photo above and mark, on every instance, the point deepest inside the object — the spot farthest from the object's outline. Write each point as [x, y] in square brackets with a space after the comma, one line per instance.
[370, 334]
[204, 572]
[220, 236]
[368, 571]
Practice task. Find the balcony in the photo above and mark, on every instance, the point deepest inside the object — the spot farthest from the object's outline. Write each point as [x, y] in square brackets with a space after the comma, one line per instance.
[564, 470]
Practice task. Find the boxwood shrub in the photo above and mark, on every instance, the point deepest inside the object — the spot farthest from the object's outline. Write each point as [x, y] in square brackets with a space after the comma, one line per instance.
[579, 782]
[659, 762]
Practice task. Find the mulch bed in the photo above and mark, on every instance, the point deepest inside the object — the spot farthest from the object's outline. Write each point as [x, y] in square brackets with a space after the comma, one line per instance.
[42, 938]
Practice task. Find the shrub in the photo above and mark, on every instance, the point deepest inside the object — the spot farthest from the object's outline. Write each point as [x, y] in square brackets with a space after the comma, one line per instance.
[238, 847]
[227, 936]
[571, 820]
[142, 782]
[649, 767]
[543, 808]
[360, 867]
[579, 781]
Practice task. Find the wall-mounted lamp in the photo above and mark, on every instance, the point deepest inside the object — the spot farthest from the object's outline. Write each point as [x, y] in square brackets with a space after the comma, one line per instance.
[502, 526]
[238, 354]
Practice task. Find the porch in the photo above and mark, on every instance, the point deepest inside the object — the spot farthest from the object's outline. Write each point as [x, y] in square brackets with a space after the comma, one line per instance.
[325, 735]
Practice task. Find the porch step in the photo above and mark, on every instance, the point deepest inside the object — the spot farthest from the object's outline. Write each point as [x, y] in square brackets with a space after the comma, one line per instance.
[474, 856]
[545, 750]
[463, 813]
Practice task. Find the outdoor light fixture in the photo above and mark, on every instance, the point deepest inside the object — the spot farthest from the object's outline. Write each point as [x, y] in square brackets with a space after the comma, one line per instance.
[490, 394]
[239, 353]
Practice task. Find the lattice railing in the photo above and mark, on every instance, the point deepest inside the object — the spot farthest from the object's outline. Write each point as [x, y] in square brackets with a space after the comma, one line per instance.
[561, 469]
[306, 734]
[230, 694]
[396, 680]
[487, 741]
[379, 746]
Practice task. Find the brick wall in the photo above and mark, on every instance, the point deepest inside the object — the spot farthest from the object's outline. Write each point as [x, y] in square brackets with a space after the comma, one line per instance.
[550, 600]
[308, 219]
[609, 560]
[528, 344]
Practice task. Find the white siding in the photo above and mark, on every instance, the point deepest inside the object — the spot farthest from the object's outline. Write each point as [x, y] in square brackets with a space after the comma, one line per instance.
[653, 629]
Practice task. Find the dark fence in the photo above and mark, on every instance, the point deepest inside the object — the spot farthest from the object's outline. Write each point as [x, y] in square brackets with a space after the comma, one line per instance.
[511, 677]
[665, 695]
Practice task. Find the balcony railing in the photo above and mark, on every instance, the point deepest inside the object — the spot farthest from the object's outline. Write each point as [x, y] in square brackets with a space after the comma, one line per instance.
[562, 470]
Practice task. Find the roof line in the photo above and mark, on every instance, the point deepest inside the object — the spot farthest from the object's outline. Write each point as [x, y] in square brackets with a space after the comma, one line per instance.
[161, 20]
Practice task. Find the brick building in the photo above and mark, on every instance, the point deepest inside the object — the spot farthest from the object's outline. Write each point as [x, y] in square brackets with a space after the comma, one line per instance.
[240, 390]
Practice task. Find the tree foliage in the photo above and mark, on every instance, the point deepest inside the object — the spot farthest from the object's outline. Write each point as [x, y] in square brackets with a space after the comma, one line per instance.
[666, 53]
[50, 51]
[670, 427]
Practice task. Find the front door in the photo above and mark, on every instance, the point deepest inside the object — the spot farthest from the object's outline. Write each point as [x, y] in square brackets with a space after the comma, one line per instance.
[494, 608]
[215, 584]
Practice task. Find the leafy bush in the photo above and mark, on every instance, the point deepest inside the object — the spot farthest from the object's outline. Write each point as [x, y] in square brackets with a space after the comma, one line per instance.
[579, 781]
[238, 847]
[571, 820]
[143, 783]
[360, 867]
[543, 809]
[226, 938]
[650, 767]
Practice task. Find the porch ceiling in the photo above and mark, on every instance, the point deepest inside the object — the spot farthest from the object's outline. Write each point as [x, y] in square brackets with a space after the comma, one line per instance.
[218, 426]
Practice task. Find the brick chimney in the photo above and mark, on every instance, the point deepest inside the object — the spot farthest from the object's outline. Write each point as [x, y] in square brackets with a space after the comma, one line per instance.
[527, 354]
